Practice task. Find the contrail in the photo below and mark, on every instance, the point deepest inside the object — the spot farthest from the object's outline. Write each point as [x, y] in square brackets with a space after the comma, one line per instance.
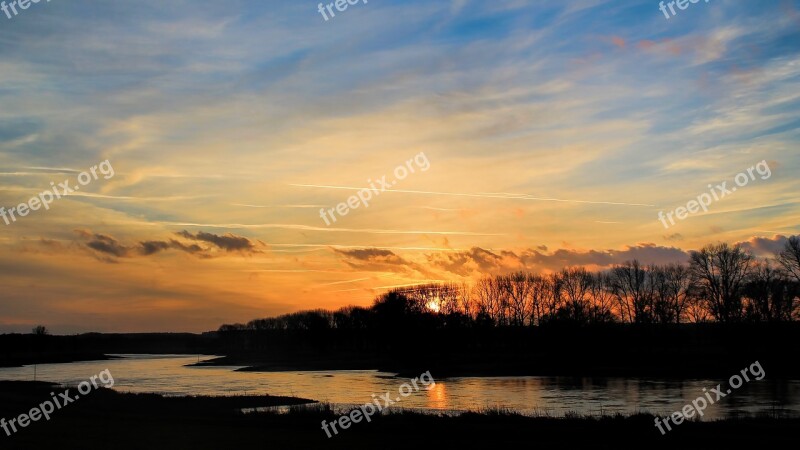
[127, 197]
[337, 246]
[310, 228]
[455, 194]
[277, 206]
[354, 281]
[392, 286]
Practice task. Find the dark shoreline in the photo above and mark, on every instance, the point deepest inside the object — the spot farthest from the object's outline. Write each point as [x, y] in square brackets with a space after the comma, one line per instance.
[612, 350]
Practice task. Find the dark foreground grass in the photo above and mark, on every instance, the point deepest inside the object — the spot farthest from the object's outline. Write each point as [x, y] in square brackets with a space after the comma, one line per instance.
[106, 419]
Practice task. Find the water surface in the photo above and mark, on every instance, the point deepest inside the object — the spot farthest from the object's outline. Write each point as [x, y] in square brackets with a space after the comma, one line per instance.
[168, 374]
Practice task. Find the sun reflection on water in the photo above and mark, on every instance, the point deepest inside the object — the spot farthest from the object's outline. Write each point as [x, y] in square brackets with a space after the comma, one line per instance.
[437, 396]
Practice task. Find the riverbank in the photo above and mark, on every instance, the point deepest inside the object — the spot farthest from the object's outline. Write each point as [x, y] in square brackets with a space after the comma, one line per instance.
[623, 350]
[108, 419]
[613, 350]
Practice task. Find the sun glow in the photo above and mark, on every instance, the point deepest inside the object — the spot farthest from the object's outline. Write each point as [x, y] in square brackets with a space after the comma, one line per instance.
[433, 306]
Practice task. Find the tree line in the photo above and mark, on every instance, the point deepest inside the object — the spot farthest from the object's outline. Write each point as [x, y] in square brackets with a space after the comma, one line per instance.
[720, 283]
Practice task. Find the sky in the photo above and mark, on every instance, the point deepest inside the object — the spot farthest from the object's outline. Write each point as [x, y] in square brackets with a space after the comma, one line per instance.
[542, 134]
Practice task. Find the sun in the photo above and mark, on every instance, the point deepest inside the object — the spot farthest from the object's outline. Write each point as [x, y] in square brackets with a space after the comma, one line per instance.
[433, 306]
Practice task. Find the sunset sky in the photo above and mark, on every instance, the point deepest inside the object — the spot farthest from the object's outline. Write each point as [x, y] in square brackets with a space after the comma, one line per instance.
[555, 132]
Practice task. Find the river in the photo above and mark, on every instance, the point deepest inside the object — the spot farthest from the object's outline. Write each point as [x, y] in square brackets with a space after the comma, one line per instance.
[554, 396]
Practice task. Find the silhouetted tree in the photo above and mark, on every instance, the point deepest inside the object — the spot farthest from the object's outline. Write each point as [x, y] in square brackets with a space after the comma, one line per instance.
[517, 288]
[633, 291]
[789, 257]
[721, 283]
[602, 298]
[489, 303]
[671, 288]
[465, 300]
[770, 295]
[719, 273]
[576, 284]
[542, 290]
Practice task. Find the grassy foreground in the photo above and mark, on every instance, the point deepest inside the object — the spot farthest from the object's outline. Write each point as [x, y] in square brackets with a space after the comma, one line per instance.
[106, 419]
